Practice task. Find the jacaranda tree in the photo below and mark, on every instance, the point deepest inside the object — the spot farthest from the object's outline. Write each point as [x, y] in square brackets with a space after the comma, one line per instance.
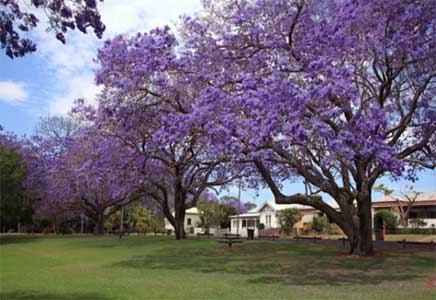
[339, 93]
[95, 176]
[149, 100]
[18, 19]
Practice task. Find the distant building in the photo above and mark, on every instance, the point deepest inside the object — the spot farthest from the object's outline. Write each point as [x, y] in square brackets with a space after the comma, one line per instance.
[192, 221]
[424, 207]
[247, 224]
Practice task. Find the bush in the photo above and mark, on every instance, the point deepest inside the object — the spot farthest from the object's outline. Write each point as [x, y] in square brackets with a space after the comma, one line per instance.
[335, 229]
[385, 216]
[428, 231]
[321, 224]
[417, 223]
[287, 218]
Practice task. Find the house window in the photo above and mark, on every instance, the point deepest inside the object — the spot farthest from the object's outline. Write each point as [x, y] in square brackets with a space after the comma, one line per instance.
[423, 212]
[188, 221]
[244, 223]
[235, 224]
[268, 221]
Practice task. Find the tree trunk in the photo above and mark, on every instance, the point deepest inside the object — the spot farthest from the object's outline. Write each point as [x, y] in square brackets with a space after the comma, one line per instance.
[351, 230]
[81, 223]
[99, 224]
[180, 222]
[122, 223]
[365, 223]
[179, 210]
[55, 227]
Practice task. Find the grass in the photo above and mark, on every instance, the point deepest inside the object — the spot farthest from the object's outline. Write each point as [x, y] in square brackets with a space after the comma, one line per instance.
[106, 268]
[424, 238]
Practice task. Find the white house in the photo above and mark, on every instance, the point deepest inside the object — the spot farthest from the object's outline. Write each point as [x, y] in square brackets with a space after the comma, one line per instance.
[247, 224]
[192, 221]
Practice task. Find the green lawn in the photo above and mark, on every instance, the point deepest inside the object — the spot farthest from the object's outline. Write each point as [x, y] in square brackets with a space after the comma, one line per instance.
[89, 268]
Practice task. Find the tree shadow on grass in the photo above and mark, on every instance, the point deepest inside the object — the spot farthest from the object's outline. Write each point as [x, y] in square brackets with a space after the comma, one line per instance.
[16, 239]
[33, 295]
[286, 264]
[113, 241]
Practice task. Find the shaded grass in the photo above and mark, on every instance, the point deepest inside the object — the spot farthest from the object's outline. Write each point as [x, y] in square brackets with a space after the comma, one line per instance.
[161, 268]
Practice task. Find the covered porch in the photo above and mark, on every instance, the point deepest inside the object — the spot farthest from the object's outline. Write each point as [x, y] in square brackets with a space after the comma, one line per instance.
[245, 225]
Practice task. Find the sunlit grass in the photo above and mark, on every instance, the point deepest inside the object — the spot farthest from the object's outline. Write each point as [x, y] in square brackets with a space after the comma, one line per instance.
[89, 268]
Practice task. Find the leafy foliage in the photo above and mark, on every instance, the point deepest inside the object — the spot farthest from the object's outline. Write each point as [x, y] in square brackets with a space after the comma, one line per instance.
[287, 218]
[385, 216]
[321, 223]
[214, 213]
[14, 206]
[17, 20]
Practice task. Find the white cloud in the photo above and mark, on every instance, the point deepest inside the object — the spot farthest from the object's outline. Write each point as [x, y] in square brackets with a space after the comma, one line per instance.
[140, 15]
[12, 92]
[81, 86]
[72, 64]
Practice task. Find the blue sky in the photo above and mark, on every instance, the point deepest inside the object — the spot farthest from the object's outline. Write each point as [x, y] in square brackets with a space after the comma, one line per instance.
[48, 81]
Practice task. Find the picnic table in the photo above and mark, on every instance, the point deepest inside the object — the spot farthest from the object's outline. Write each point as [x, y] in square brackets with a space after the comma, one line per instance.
[230, 239]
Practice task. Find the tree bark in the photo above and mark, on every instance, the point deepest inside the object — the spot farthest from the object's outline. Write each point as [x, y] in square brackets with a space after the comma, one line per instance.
[179, 209]
[365, 223]
[99, 224]
[179, 216]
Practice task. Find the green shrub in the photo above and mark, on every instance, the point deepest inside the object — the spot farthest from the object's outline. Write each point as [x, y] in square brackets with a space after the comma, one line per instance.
[385, 216]
[321, 223]
[428, 231]
[287, 218]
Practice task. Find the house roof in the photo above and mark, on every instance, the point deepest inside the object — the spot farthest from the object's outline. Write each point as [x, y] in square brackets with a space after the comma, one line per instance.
[246, 215]
[192, 211]
[278, 207]
[426, 198]
[421, 197]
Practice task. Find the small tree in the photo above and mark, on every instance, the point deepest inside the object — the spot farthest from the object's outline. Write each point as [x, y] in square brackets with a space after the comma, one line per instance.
[208, 214]
[385, 216]
[287, 219]
[321, 223]
[405, 204]
[139, 219]
[157, 224]
[223, 213]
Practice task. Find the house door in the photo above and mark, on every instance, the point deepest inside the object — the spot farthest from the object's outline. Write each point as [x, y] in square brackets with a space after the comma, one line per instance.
[250, 234]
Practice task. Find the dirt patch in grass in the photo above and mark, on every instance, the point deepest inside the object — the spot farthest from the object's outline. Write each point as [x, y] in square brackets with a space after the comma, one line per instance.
[431, 281]
[337, 272]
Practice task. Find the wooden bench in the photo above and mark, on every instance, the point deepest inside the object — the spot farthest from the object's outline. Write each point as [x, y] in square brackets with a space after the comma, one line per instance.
[205, 234]
[230, 241]
[312, 238]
